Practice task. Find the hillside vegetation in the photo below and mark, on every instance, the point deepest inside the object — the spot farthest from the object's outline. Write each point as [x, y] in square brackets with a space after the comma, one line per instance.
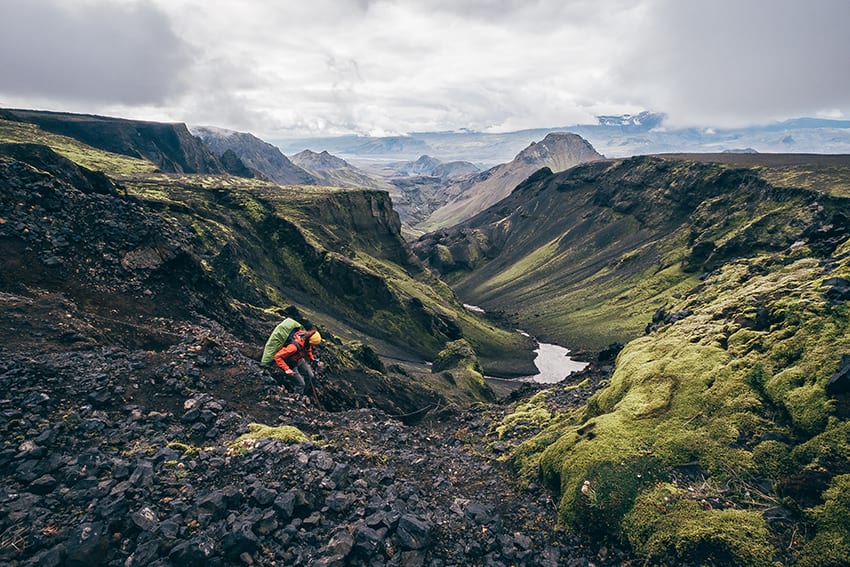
[722, 437]
[334, 255]
[586, 257]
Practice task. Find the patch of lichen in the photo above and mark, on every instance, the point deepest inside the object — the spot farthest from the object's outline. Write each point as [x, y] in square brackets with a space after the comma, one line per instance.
[283, 433]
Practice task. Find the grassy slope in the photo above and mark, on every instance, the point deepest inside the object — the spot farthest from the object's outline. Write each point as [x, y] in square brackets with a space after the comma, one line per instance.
[351, 274]
[596, 271]
[116, 165]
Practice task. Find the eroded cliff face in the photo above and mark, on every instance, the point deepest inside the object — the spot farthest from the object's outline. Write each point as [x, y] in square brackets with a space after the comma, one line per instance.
[360, 219]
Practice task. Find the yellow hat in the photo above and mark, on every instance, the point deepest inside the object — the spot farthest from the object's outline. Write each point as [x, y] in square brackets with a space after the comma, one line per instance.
[315, 338]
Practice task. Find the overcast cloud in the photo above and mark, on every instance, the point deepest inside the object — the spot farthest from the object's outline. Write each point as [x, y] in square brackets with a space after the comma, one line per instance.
[327, 67]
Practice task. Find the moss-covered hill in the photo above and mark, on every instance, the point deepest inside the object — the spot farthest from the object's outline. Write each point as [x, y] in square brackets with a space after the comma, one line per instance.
[111, 229]
[587, 256]
[722, 437]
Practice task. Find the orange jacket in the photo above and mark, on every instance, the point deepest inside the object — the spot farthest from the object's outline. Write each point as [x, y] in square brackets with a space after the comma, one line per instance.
[295, 350]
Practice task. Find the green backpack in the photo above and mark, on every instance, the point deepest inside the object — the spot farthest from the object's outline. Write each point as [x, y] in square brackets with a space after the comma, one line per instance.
[279, 337]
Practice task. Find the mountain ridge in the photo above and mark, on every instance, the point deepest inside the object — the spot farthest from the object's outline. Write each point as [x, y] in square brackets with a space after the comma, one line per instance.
[613, 136]
[255, 153]
[171, 147]
[557, 151]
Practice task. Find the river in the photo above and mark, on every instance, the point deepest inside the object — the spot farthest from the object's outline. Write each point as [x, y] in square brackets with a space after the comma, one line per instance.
[553, 364]
[552, 361]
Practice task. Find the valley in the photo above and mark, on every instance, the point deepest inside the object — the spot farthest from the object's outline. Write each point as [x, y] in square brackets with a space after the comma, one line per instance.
[705, 294]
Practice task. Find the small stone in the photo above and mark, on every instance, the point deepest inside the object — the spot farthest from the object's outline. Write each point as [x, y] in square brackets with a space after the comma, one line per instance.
[145, 519]
[44, 484]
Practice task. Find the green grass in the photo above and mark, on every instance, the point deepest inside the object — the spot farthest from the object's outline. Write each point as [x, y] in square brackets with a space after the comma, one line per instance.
[114, 165]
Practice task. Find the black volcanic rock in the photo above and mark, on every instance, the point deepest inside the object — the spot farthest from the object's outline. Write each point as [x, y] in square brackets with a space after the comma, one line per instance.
[839, 383]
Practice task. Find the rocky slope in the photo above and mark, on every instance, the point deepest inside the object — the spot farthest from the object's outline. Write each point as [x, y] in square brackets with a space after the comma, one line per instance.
[462, 200]
[133, 410]
[258, 155]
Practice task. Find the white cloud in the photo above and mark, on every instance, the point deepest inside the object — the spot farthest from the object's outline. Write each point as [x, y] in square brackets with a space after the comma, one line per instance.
[94, 52]
[334, 66]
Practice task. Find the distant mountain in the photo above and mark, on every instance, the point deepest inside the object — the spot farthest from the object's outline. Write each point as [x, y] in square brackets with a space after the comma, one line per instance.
[613, 135]
[557, 151]
[254, 153]
[322, 161]
[171, 147]
[641, 122]
[428, 166]
[330, 170]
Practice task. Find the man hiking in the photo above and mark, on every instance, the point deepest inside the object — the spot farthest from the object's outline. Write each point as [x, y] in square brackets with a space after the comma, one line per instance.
[295, 356]
[290, 347]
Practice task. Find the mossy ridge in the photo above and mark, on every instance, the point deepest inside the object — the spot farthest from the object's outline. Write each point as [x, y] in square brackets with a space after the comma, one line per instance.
[266, 244]
[114, 165]
[668, 522]
[748, 362]
[831, 544]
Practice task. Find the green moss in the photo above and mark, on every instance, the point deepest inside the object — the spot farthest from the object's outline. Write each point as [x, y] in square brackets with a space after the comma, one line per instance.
[831, 544]
[607, 493]
[459, 359]
[665, 524]
[283, 433]
[772, 459]
[444, 255]
[531, 416]
[706, 390]
[830, 446]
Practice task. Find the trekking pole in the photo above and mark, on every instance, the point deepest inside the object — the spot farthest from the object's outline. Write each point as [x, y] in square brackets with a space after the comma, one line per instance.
[315, 394]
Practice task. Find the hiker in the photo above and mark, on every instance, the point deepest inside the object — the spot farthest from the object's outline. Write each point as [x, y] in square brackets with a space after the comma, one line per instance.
[295, 356]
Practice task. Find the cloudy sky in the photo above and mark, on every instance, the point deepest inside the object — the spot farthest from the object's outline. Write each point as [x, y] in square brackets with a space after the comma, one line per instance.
[281, 68]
